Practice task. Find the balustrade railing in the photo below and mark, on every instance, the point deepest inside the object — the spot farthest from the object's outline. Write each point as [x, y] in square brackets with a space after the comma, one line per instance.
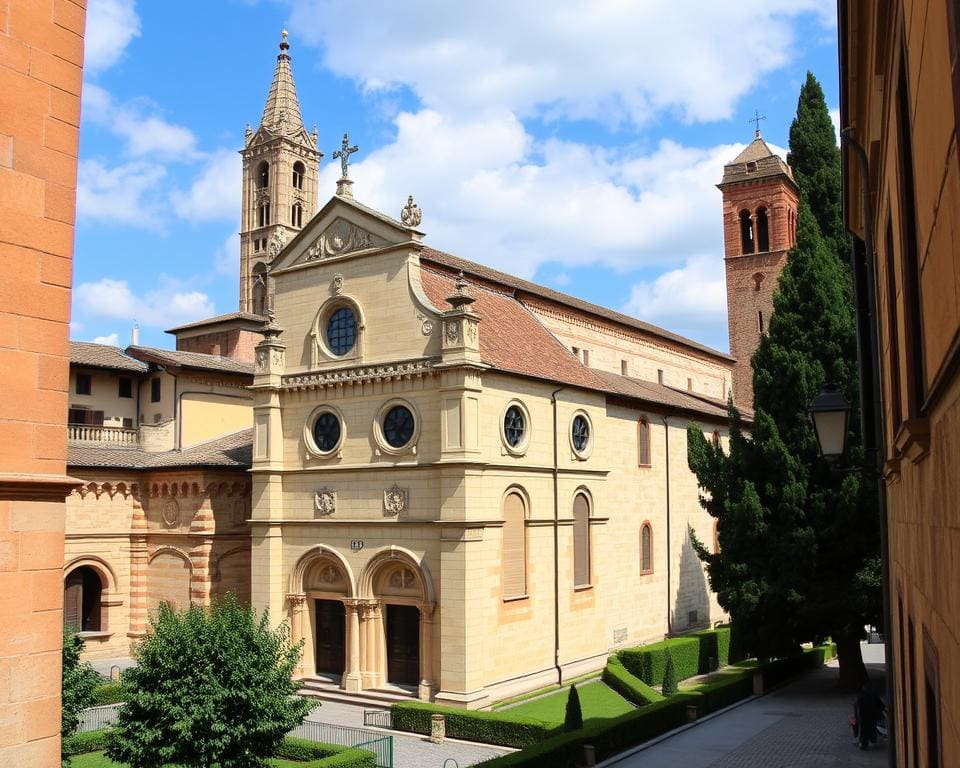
[113, 436]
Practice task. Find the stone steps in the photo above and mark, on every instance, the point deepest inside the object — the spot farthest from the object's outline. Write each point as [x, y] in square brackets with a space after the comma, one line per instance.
[327, 689]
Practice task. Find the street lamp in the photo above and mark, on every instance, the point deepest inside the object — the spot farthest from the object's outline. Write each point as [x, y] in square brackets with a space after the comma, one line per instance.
[830, 413]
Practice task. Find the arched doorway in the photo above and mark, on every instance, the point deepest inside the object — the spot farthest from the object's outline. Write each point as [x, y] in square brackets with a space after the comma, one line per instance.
[400, 593]
[325, 585]
[82, 595]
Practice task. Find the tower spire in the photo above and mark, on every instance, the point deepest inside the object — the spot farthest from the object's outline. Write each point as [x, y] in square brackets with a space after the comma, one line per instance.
[281, 114]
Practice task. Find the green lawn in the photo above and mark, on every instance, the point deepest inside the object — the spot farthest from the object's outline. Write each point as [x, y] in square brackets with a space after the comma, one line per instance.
[597, 701]
[99, 760]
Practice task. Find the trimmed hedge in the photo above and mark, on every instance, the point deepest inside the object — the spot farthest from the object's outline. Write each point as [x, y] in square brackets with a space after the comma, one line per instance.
[78, 743]
[319, 755]
[714, 648]
[608, 737]
[486, 727]
[108, 693]
[724, 692]
[314, 754]
[632, 688]
[649, 661]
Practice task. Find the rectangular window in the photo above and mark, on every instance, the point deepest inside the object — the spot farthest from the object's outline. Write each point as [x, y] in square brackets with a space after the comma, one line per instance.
[623, 368]
[581, 541]
[689, 384]
[514, 547]
[586, 357]
[77, 415]
[643, 442]
[124, 387]
[155, 390]
[893, 340]
[659, 375]
[83, 384]
[128, 423]
[760, 322]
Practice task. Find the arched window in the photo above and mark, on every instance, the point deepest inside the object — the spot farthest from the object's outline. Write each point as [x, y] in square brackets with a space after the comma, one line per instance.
[715, 438]
[514, 546]
[298, 171]
[581, 540]
[259, 289]
[643, 442]
[82, 591]
[296, 215]
[763, 231]
[646, 548]
[263, 214]
[263, 174]
[746, 232]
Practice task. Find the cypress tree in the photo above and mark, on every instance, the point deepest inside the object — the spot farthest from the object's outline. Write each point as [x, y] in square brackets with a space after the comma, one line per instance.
[573, 717]
[799, 545]
[669, 687]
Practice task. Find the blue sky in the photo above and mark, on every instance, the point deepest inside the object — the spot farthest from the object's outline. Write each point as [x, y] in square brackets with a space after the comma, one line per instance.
[578, 148]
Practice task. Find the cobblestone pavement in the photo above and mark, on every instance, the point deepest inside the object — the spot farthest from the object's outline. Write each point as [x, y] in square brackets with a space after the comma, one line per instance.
[409, 750]
[802, 725]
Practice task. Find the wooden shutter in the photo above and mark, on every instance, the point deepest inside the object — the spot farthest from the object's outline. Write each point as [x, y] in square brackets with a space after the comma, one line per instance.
[73, 601]
[581, 541]
[643, 437]
[514, 546]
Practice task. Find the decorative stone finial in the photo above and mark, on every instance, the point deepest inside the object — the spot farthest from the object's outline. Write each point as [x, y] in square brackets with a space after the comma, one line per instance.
[411, 215]
[284, 45]
[344, 154]
[248, 133]
[315, 135]
[460, 297]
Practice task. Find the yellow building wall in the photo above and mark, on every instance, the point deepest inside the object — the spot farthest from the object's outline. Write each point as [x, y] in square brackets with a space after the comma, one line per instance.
[205, 417]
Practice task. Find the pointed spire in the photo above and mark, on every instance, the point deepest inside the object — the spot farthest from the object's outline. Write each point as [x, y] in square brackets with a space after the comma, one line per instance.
[281, 115]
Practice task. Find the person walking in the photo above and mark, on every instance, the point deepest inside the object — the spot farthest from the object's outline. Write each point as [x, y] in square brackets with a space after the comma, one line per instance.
[869, 707]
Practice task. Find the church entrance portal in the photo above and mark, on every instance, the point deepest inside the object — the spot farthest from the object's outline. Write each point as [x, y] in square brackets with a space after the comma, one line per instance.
[403, 644]
[330, 637]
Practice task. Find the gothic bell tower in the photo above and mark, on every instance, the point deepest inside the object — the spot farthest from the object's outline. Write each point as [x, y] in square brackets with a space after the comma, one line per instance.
[281, 164]
[759, 228]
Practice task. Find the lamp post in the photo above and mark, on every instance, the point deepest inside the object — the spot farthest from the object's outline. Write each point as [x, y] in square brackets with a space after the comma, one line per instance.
[830, 413]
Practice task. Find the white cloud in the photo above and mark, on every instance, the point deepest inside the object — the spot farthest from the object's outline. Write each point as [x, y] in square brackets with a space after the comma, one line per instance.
[525, 203]
[215, 191]
[835, 119]
[111, 25]
[606, 60]
[145, 134]
[125, 193]
[169, 304]
[226, 259]
[691, 300]
[112, 339]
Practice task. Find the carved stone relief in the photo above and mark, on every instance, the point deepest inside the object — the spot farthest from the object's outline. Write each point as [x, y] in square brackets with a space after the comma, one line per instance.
[394, 500]
[170, 513]
[325, 501]
[339, 238]
[452, 332]
[262, 358]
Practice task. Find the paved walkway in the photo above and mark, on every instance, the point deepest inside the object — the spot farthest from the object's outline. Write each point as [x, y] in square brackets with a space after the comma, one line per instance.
[802, 725]
[409, 750]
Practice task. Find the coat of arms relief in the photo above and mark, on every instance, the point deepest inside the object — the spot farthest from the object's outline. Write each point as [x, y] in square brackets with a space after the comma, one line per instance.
[394, 500]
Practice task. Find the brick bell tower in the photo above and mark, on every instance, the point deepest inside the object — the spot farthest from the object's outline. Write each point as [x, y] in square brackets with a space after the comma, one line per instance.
[760, 201]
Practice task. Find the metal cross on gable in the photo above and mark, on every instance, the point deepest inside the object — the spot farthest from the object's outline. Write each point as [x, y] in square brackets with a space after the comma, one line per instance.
[344, 154]
[757, 117]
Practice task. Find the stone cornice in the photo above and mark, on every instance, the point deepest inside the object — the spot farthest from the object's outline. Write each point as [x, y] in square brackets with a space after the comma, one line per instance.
[360, 374]
[36, 487]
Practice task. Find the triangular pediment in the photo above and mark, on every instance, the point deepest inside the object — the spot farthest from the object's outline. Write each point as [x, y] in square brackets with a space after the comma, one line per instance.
[343, 227]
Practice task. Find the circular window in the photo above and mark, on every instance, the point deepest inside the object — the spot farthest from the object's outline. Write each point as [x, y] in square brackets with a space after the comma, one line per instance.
[580, 438]
[514, 426]
[398, 426]
[342, 331]
[326, 432]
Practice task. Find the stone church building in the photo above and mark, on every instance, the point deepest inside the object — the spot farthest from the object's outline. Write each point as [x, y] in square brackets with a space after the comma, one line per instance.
[462, 485]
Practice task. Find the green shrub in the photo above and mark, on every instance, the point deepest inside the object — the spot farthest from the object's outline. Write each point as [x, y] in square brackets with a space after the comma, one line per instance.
[714, 648]
[738, 652]
[573, 716]
[669, 686]
[318, 755]
[724, 692]
[79, 743]
[108, 693]
[629, 686]
[649, 661]
[485, 727]
[609, 737]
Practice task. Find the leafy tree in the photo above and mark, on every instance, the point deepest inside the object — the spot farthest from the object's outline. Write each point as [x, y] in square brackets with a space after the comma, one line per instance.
[78, 682]
[573, 717]
[212, 687]
[669, 686]
[799, 544]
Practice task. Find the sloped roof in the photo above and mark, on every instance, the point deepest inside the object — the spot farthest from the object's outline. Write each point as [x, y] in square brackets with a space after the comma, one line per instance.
[510, 283]
[231, 451]
[281, 113]
[756, 161]
[660, 394]
[90, 355]
[246, 316]
[194, 360]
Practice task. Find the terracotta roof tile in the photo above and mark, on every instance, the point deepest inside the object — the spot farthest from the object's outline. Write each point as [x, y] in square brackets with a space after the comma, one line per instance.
[766, 163]
[234, 450]
[659, 394]
[196, 360]
[248, 316]
[89, 355]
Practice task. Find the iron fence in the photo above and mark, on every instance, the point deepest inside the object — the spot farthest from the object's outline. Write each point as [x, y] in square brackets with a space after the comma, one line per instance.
[381, 745]
[95, 718]
[377, 718]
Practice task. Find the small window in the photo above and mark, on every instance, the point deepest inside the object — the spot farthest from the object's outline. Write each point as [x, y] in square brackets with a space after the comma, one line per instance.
[326, 432]
[155, 390]
[127, 423]
[296, 215]
[263, 217]
[263, 175]
[83, 384]
[298, 171]
[751, 167]
[763, 232]
[624, 369]
[580, 437]
[746, 232]
[659, 375]
[760, 322]
[398, 426]
[715, 438]
[82, 593]
[586, 357]
[643, 442]
[646, 549]
[689, 384]
[78, 415]
[514, 546]
[124, 387]
[581, 540]
[342, 331]
[514, 426]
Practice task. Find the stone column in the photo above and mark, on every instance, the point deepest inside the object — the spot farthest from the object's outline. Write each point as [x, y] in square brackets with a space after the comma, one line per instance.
[352, 680]
[367, 644]
[379, 646]
[138, 587]
[426, 651]
[201, 578]
[297, 602]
